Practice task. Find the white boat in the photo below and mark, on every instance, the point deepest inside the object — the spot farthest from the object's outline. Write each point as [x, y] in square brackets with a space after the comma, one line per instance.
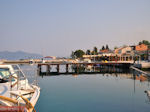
[15, 91]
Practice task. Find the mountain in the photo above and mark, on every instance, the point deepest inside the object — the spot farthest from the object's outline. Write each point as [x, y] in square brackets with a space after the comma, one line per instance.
[18, 55]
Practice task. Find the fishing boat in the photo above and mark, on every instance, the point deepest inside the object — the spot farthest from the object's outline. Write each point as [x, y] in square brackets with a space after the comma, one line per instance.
[16, 94]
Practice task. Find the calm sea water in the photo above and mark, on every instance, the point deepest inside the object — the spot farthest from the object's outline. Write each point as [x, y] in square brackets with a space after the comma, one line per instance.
[92, 93]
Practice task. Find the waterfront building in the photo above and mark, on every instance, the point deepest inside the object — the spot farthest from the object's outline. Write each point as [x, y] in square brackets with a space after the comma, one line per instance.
[141, 47]
[111, 57]
[123, 50]
[149, 55]
[126, 53]
[143, 51]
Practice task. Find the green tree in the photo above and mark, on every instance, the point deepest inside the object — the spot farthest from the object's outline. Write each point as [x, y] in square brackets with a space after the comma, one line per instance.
[146, 42]
[95, 51]
[88, 52]
[103, 48]
[115, 47]
[107, 47]
[79, 53]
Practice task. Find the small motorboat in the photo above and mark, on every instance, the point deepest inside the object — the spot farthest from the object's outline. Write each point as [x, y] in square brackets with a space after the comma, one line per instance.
[16, 94]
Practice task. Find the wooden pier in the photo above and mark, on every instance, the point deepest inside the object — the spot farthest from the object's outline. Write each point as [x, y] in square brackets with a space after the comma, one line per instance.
[80, 67]
[140, 71]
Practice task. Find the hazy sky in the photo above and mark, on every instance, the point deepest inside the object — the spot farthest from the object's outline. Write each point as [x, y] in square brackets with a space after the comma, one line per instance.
[56, 27]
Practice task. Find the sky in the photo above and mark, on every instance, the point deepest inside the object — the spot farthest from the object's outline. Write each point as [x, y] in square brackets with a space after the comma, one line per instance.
[57, 27]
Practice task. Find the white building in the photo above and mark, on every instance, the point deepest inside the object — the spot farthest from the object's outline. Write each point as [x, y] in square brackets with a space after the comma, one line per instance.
[123, 50]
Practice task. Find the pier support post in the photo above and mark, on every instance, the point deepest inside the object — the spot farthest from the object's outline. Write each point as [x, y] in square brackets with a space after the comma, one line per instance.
[77, 68]
[93, 68]
[39, 69]
[67, 68]
[57, 68]
[48, 69]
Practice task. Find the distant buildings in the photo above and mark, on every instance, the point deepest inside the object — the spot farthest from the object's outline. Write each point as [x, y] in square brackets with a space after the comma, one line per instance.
[125, 53]
[105, 51]
[49, 57]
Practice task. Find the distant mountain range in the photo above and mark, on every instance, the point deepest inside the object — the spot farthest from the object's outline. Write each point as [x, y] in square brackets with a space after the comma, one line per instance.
[18, 55]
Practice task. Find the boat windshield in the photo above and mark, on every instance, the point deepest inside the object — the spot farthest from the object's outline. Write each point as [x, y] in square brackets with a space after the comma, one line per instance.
[4, 72]
[18, 71]
[4, 75]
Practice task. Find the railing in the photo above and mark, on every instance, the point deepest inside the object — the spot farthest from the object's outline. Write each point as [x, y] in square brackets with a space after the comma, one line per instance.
[143, 72]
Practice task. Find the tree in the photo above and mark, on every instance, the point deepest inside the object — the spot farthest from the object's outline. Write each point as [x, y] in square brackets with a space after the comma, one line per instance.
[115, 47]
[146, 42]
[88, 52]
[72, 55]
[103, 48]
[79, 53]
[95, 51]
[107, 47]
[140, 43]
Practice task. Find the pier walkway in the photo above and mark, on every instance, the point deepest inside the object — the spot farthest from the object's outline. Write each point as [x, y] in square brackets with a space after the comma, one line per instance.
[80, 67]
[138, 70]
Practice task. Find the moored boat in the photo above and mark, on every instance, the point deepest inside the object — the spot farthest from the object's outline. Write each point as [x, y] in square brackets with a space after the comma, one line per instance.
[15, 91]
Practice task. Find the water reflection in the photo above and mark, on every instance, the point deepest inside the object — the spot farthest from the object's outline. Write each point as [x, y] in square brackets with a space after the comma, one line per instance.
[122, 90]
[142, 78]
[119, 73]
[139, 76]
[148, 96]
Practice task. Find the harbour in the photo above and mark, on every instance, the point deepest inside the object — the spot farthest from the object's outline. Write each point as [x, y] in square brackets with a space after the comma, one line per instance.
[75, 56]
[73, 89]
[74, 92]
[85, 92]
[94, 81]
